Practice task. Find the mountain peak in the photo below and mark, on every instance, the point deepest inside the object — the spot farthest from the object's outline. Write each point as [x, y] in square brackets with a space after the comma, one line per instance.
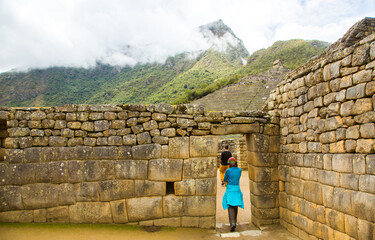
[222, 39]
[217, 28]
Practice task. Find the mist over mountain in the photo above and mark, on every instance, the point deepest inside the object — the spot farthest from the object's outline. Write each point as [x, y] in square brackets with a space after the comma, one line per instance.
[180, 78]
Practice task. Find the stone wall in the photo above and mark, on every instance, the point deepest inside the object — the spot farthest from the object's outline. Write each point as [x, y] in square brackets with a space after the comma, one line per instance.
[327, 161]
[148, 165]
[242, 153]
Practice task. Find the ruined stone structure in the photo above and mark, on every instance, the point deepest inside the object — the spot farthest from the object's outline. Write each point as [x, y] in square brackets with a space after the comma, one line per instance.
[327, 160]
[238, 149]
[151, 165]
[311, 158]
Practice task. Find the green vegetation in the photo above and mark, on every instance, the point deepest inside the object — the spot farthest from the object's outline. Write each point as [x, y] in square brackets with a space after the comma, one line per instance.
[180, 79]
[292, 53]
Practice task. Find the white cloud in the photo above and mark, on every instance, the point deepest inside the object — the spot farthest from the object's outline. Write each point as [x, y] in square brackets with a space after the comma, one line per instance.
[42, 33]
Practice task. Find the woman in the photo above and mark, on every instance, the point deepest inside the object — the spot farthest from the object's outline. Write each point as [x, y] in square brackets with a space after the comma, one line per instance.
[233, 197]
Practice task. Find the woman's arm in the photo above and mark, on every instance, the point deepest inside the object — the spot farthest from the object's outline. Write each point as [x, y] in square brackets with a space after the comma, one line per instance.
[226, 175]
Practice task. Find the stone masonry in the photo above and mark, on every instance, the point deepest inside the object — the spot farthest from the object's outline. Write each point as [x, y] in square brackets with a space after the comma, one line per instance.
[311, 157]
[148, 165]
[327, 161]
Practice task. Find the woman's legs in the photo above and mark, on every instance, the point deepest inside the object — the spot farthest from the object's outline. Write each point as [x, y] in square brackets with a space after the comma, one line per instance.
[232, 214]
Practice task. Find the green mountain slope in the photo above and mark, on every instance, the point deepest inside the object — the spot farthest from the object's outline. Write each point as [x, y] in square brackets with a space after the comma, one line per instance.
[292, 53]
[180, 79]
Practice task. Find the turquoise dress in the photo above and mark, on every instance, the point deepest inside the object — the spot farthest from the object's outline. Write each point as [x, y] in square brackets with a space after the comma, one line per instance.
[233, 195]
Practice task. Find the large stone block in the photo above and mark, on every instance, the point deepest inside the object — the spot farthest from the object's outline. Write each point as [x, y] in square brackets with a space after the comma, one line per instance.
[144, 138]
[295, 188]
[14, 155]
[10, 198]
[22, 174]
[370, 164]
[263, 159]
[349, 181]
[356, 92]
[272, 213]
[160, 140]
[331, 71]
[131, 169]
[56, 141]
[335, 219]
[200, 167]
[206, 186]
[343, 162]
[265, 188]
[366, 230]
[263, 174]
[351, 226]
[140, 209]
[146, 151]
[66, 194]
[18, 132]
[58, 172]
[365, 117]
[363, 205]
[362, 105]
[90, 212]
[257, 142]
[313, 192]
[179, 147]
[34, 124]
[365, 146]
[119, 212]
[152, 188]
[130, 140]
[101, 125]
[40, 195]
[40, 216]
[235, 129]
[185, 187]
[361, 55]
[264, 201]
[200, 205]
[98, 170]
[160, 117]
[115, 140]
[58, 214]
[169, 170]
[16, 216]
[116, 189]
[367, 183]
[367, 130]
[87, 191]
[124, 152]
[173, 206]
[88, 126]
[74, 170]
[329, 177]
[342, 200]
[205, 146]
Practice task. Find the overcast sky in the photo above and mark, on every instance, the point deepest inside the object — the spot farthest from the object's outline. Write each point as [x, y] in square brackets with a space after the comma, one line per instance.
[43, 33]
